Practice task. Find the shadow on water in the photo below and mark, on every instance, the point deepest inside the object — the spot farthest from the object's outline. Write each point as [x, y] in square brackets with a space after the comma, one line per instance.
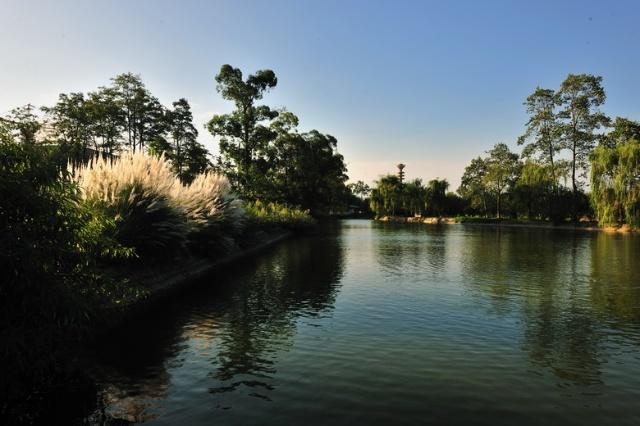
[234, 323]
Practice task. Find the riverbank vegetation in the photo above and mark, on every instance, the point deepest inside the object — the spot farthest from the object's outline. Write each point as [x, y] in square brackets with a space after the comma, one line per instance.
[113, 179]
[566, 138]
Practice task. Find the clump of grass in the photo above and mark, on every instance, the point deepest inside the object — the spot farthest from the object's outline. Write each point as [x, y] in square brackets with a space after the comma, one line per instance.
[213, 212]
[278, 215]
[135, 190]
[144, 206]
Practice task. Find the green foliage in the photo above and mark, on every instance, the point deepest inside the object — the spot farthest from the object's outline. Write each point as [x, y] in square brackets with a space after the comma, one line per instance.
[359, 189]
[503, 168]
[264, 155]
[72, 123]
[486, 180]
[50, 291]
[244, 137]
[435, 197]
[534, 190]
[188, 156]
[473, 189]
[260, 215]
[623, 130]
[125, 115]
[391, 197]
[615, 183]
[386, 197]
[414, 197]
[20, 125]
[306, 170]
[542, 135]
[580, 98]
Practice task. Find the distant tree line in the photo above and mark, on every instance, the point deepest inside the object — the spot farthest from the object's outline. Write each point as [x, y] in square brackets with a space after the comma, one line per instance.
[392, 197]
[565, 138]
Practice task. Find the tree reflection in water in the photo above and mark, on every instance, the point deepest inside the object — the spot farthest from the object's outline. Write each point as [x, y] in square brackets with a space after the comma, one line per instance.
[237, 323]
[559, 292]
[508, 320]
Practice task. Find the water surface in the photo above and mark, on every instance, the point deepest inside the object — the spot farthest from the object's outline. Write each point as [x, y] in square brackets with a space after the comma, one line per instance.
[380, 324]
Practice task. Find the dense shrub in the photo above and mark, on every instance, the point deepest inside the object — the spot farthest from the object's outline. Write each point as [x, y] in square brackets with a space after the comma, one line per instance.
[49, 289]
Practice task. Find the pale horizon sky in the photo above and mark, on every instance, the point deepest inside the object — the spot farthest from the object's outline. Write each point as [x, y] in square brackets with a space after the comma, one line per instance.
[429, 84]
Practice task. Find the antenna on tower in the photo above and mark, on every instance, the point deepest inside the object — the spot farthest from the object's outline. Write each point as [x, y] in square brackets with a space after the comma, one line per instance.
[401, 172]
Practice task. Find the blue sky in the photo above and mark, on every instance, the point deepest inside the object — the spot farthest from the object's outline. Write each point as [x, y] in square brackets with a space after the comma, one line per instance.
[429, 84]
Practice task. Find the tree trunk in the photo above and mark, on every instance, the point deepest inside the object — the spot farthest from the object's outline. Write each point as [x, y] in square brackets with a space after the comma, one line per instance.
[574, 207]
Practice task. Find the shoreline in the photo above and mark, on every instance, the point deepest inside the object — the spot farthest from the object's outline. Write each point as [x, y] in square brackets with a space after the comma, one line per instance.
[161, 282]
[624, 229]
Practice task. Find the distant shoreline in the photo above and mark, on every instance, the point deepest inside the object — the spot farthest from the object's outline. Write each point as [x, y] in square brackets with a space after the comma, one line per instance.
[624, 229]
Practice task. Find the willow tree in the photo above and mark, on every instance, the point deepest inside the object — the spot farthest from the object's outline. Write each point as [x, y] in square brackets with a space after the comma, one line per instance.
[615, 183]
[414, 195]
[386, 197]
[436, 196]
[534, 188]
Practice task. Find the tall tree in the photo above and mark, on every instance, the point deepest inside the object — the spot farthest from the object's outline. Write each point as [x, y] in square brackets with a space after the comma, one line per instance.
[436, 198]
[534, 188]
[386, 196]
[503, 168]
[414, 195]
[71, 123]
[195, 160]
[318, 175]
[360, 189]
[580, 95]
[243, 136]
[183, 134]
[615, 183]
[282, 154]
[472, 185]
[22, 124]
[615, 175]
[623, 130]
[143, 114]
[107, 119]
[542, 135]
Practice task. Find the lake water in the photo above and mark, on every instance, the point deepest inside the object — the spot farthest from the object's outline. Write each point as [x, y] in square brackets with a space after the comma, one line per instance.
[382, 324]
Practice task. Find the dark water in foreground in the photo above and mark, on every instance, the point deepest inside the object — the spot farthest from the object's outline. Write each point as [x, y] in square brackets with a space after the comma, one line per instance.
[394, 324]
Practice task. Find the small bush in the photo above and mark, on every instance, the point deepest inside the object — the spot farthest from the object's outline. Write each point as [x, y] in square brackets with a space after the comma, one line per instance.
[277, 215]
